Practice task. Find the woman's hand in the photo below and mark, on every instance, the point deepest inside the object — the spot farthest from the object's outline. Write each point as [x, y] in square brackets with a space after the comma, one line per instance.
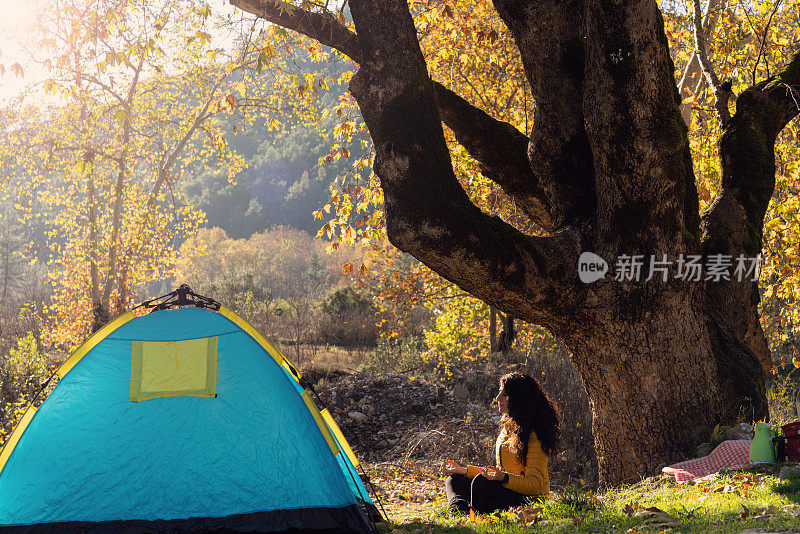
[449, 467]
[492, 473]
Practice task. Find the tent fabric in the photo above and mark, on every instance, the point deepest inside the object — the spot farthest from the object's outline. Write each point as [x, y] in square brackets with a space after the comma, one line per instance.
[89, 454]
[307, 520]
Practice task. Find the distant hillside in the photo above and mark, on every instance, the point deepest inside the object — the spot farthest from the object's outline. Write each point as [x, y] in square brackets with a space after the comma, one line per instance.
[282, 184]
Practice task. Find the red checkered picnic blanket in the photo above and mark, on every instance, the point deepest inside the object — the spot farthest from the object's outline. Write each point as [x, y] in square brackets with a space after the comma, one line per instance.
[731, 454]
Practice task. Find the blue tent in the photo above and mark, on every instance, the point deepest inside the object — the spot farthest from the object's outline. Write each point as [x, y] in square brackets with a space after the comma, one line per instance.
[180, 420]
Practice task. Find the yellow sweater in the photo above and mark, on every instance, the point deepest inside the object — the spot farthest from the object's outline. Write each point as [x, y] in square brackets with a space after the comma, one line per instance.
[528, 479]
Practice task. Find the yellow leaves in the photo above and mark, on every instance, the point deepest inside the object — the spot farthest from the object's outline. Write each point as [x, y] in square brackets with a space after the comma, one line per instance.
[327, 229]
[774, 225]
[781, 40]
[342, 129]
[83, 166]
[280, 32]
[177, 84]
[200, 36]
[121, 117]
[220, 142]
[51, 87]
[349, 234]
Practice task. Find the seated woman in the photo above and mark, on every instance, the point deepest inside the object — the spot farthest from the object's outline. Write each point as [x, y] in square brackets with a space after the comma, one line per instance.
[528, 436]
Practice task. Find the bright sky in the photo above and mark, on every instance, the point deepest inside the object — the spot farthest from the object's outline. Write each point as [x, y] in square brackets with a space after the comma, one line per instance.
[15, 16]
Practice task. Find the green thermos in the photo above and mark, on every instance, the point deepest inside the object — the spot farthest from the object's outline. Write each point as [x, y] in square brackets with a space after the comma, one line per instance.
[761, 449]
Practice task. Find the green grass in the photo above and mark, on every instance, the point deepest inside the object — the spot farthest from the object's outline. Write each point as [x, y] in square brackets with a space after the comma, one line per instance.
[733, 502]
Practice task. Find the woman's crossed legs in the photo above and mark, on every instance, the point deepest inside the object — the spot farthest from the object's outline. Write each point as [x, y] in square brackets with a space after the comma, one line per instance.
[480, 494]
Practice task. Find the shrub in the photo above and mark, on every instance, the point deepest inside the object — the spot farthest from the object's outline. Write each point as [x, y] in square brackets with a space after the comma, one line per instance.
[22, 372]
[781, 390]
[347, 319]
[395, 354]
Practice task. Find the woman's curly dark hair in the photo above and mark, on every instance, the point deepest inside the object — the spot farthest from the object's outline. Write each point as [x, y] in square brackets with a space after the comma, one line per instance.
[529, 409]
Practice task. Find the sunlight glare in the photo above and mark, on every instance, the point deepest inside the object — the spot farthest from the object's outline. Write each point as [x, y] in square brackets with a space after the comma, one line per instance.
[16, 14]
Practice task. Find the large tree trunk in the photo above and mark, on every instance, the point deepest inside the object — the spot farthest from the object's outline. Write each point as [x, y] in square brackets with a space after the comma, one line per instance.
[651, 380]
[608, 170]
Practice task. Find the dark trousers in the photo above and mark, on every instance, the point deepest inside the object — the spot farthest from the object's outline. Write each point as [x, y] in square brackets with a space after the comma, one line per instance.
[480, 494]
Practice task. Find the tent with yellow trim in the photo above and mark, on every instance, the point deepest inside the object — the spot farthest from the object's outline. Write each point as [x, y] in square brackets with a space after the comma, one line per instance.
[181, 420]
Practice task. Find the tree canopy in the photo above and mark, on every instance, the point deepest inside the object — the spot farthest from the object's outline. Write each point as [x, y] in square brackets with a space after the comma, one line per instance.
[607, 168]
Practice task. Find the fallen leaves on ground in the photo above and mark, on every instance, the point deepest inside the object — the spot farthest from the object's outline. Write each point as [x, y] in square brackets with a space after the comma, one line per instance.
[656, 517]
[529, 516]
[408, 483]
[632, 507]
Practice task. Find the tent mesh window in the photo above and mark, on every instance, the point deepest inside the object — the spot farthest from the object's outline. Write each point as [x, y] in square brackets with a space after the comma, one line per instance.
[174, 368]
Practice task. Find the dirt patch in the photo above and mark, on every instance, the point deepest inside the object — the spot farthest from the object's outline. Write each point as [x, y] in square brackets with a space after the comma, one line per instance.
[405, 423]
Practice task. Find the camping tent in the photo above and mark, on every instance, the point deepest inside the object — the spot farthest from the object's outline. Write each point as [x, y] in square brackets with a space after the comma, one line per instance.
[181, 420]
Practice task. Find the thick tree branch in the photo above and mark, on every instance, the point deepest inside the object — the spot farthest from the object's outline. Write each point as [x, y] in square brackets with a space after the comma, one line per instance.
[428, 213]
[748, 157]
[549, 37]
[733, 225]
[119, 190]
[646, 196]
[321, 27]
[501, 150]
[499, 147]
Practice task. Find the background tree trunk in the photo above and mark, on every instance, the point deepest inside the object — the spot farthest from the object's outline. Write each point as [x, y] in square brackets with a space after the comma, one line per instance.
[492, 329]
[507, 334]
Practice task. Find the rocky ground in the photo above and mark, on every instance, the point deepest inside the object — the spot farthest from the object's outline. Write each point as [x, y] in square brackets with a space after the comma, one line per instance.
[402, 428]
[396, 422]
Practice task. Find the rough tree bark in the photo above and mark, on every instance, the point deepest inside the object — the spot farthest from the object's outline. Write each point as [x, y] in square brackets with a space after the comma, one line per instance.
[607, 169]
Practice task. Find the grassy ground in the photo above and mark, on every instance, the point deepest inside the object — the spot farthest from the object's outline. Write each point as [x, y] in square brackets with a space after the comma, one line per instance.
[733, 502]
[323, 356]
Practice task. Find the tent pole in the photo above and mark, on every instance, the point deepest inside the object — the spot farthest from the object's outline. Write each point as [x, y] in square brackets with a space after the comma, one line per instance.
[375, 493]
